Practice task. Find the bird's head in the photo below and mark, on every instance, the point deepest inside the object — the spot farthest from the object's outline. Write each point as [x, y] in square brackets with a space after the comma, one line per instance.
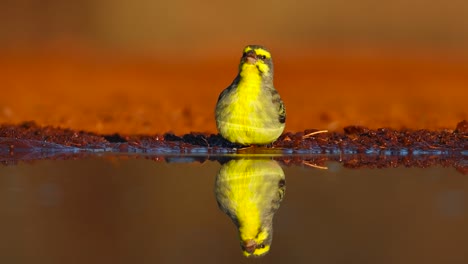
[256, 58]
[256, 246]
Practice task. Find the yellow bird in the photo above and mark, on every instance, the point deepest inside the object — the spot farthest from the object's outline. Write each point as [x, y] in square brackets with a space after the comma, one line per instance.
[250, 191]
[250, 111]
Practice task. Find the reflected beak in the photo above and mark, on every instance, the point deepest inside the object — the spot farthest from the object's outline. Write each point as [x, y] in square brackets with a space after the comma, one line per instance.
[249, 246]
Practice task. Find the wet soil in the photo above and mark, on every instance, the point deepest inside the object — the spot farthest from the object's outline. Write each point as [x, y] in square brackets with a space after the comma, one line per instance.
[355, 146]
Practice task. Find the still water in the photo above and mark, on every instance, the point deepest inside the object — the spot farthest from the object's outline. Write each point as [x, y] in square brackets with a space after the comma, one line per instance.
[136, 210]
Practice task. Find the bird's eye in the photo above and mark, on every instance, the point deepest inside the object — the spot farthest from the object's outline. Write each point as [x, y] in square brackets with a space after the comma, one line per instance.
[262, 57]
[261, 246]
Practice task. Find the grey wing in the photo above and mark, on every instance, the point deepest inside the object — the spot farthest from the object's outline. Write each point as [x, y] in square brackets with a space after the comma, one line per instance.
[276, 99]
[282, 112]
[223, 100]
[275, 204]
[224, 93]
[228, 212]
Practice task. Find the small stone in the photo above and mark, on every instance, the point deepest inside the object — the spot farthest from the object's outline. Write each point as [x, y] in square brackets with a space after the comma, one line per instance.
[462, 127]
[349, 130]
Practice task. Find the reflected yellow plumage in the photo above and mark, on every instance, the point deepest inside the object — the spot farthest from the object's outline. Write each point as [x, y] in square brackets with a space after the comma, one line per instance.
[250, 191]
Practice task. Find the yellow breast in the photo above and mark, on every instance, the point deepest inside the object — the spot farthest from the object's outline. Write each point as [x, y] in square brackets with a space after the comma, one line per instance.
[251, 117]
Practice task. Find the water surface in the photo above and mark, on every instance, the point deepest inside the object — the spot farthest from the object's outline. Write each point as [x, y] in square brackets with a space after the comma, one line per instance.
[129, 210]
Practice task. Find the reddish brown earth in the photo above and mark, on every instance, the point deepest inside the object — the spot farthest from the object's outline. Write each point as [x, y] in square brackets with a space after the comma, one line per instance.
[107, 92]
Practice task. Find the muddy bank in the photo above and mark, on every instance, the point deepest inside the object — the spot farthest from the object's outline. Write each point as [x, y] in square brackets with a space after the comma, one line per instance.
[355, 146]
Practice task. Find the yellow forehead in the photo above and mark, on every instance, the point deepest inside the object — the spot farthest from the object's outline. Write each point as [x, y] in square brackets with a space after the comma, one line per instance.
[258, 51]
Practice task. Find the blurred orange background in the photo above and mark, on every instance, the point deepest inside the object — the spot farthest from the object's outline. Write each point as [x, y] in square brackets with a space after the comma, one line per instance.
[152, 67]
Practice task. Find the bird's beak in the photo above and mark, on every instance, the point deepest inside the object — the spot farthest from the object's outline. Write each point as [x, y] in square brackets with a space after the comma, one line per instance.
[249, 246]
[251, 57]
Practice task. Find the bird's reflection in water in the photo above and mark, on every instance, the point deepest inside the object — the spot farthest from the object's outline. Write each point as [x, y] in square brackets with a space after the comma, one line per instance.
[250, 191]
